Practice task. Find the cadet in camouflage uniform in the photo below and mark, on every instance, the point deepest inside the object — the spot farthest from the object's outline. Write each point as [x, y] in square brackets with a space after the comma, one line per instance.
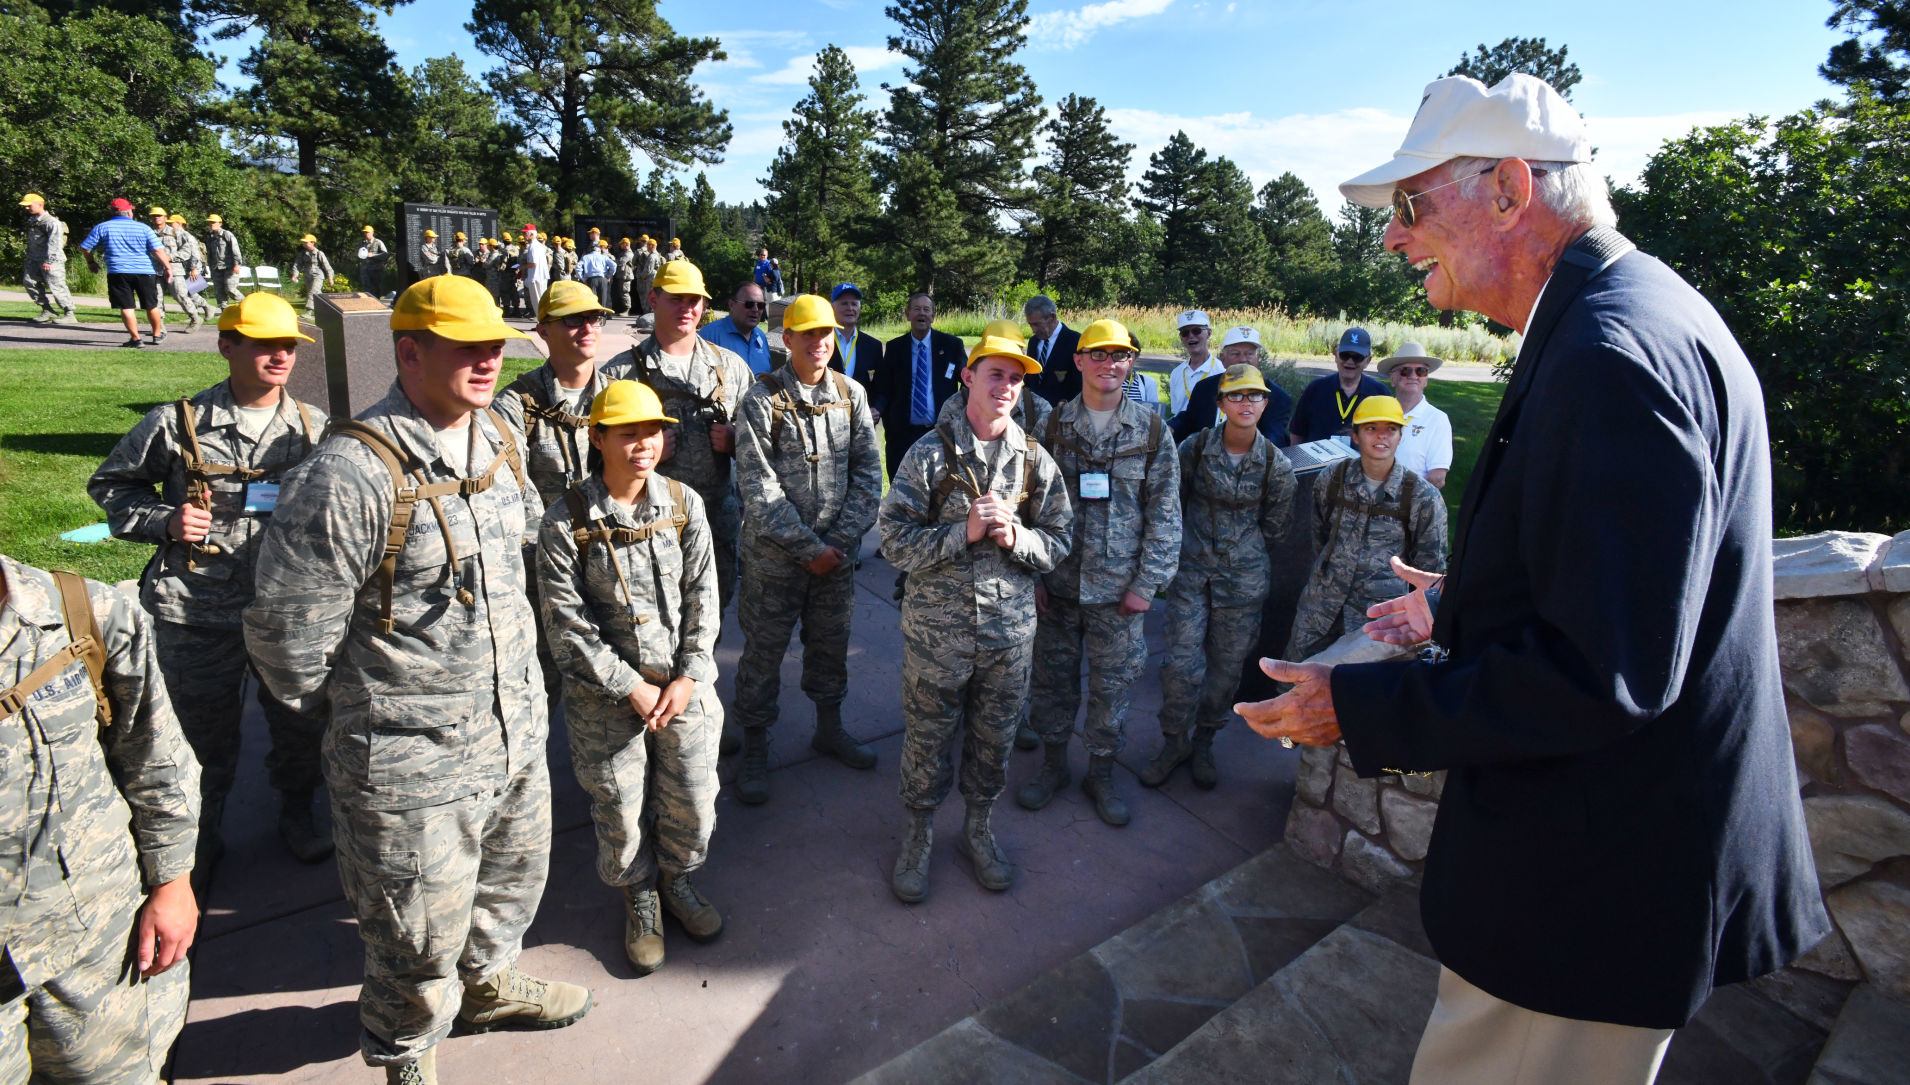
[974, 531]
[550, 405]
[373, 255]
[649, 263]
[96, 817]
[632, 617]
[222, 261]
[1365, 513]
[701, 385]
[425, 664]
[310, 270]
[189, 263]
[182, 256]
[623, 277]
[206, 525]
[459, 259]
[1124, 481]
[805, 513]
[1236, 502]
[431, 257]
[45, 273]
[494, 278]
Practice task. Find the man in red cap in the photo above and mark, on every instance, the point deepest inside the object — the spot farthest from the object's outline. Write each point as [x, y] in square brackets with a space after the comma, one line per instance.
[135, 262]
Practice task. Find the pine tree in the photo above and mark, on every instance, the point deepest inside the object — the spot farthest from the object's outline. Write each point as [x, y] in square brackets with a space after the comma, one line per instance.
[1528, 55]
[957, 133]
[821, 187]
[1879, 62]
[1174, 191]
[593, 80]
[1072, 232]
[1299, 242]
[1234, 272]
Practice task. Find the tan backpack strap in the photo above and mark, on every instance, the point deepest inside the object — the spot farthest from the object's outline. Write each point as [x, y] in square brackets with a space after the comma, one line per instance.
[579, 515]
[404, 504]
[82, 631]
[681, 516]
[510, 447]
[305, 420]
[1028, 470]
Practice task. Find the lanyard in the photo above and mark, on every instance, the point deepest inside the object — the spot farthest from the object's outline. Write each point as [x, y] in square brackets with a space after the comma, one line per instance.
[846, 350]
[1345, 405]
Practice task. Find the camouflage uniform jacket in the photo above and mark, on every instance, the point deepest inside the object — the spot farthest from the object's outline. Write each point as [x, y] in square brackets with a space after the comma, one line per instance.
[1128, 541]
[694, 395]
[432, 259]
[448, 703]
[647, 264]
[620, 611]
[85, 811]
[494, 269]
[222, 250]
[462, 261]
[1233, 516]
[798, 500]
[1031, 411]
[626, 260]
[46, 241]
[197, 585]
[188, 254]
[555, 455]
[306, 265]
[1356, 568]
[974, 596]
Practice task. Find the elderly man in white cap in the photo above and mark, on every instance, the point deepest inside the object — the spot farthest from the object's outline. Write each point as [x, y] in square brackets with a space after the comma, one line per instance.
[1620, 830]
[1196, 336]
[1425, 445]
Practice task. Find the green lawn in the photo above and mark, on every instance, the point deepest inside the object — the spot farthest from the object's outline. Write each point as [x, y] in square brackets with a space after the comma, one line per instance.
[88, 314]
[1472, 405]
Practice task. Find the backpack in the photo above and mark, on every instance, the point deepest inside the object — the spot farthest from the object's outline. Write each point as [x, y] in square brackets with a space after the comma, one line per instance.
[950, 479]
[1056, 436]
[199, 473]
[76, 613]
[405, 501]
[1193, 484]
[1336, 499]
[536, 411]
[598, 531]
[786, 403]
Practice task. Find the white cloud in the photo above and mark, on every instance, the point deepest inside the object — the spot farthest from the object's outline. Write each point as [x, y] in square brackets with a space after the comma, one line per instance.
[1326, 148]
[798, 69]
[1068, 28]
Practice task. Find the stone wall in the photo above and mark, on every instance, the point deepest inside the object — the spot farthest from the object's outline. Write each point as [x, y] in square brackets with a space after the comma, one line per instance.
[1843, 620]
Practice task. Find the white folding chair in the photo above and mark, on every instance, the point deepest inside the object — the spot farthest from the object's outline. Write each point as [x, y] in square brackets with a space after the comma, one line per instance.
[266, 277]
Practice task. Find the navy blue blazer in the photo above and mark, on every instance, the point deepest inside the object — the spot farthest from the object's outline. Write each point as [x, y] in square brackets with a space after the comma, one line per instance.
[1059, 381]
[1620, 829]
[895, 382]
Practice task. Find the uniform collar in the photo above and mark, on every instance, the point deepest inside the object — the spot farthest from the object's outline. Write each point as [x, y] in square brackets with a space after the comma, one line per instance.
[967, 441]
[31, 594]
[1217, 448]
[1389, 489]
[656, 503]
[1128, 416]
[415, 436]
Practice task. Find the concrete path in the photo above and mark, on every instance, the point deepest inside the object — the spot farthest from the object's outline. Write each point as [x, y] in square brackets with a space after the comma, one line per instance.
[820, 974]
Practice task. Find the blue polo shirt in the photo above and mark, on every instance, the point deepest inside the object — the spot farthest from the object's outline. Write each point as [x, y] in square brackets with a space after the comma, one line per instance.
[596, 265]
[1324, 411]
[126, 243]
[753, 349]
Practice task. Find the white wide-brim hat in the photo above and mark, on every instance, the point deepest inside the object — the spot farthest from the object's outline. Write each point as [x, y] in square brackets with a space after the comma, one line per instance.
[1409, 351]
[1459, 117]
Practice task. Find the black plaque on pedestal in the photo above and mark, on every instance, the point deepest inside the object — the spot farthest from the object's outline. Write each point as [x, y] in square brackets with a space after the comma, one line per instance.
[351, 365]
[415, 218]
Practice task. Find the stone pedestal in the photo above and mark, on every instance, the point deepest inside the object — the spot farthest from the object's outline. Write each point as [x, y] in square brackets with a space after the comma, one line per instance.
[350, 366]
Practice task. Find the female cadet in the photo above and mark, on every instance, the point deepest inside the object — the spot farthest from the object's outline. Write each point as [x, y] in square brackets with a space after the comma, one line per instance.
[628, 584]
[1365, 512]
[1236, 499]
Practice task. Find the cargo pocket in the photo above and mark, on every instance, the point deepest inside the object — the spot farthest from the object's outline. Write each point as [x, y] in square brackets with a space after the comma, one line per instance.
[419, 738]
[398, 900]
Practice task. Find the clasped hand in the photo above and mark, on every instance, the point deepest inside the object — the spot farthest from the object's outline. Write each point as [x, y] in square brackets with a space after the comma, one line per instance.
[658, 705]
[994, 518]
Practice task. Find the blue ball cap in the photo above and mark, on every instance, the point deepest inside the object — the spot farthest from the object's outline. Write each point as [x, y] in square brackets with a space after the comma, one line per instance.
[845, 288]
[1357, 341]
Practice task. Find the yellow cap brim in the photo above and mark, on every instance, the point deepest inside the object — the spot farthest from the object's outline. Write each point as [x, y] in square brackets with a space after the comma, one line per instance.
[1028, 365]
[268, 333]
[634, 419]
[458, 331]
[813, 325]
[1105, 344]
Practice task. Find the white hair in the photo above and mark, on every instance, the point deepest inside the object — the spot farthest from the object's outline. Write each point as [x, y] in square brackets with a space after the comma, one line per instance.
[1570, 190]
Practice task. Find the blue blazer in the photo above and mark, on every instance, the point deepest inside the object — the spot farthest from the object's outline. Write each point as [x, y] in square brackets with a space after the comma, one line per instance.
[1620, 829]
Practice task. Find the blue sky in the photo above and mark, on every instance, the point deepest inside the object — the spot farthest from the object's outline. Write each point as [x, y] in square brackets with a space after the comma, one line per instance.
[1324, 90]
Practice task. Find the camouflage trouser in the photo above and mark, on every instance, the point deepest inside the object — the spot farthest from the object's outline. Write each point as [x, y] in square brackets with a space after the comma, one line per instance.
[640, 295]
[47, 289]
[1116, 649]
[781, 592]
[975, 692]
[1206, 646]
[443, 896]
[652, 794]
[620, 289]
[99, 1021]
[175, 288]
[1318, 622]
[205, 673]
[225, 288]
[726, 529]
[309, 288]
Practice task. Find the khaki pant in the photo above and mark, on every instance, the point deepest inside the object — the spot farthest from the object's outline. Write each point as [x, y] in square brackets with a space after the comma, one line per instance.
[1473, 1038]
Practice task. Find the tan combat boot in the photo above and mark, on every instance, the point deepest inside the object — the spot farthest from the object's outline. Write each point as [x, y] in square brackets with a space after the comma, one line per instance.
[1040, 791]
[1206, 773]
[1175, 750]
[835, 740]
[977, 842]
[642, 928]
[700, 919]
[512, 999]
[909, 880]
[752, 780]
[1099, 784]
[298, 828]
[424, 1071]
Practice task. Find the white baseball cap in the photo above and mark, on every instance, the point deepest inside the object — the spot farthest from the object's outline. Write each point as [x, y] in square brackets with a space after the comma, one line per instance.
[1459, 117]
[1241, 334]
[1198, 316]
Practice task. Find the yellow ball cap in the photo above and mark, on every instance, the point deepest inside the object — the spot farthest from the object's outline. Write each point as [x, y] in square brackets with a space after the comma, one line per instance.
[214, 218]
[1005, 329]
[32, 197]
[155, 211]
[1105, 335]
[676, 242]
[997, 346]
[570, 245]
[624, 402]
[681, 277]
[1242, 378]
[459, 235]
[454, 307]
[308, 237]
[567, 297]
[1379, 409]
[593, 230]
[369, 230]
[431, 233]
[806, 312]
[262, 316]
[180, 219]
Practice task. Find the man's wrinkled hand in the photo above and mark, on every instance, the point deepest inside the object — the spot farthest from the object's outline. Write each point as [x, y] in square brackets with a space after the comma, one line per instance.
[1407, 620]
[722, 437]
[1303, 714]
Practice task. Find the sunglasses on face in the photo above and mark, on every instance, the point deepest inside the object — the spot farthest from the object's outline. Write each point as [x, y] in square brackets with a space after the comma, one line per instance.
[1105, 356]
[1192, 333]
[1403, 200]
[584, 320]
[1245, 397]
[1411, 371]
[1349, 356]
[752, 305]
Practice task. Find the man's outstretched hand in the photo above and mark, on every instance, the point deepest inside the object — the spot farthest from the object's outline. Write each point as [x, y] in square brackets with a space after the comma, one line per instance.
[1302, 714]
[1407, 620]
